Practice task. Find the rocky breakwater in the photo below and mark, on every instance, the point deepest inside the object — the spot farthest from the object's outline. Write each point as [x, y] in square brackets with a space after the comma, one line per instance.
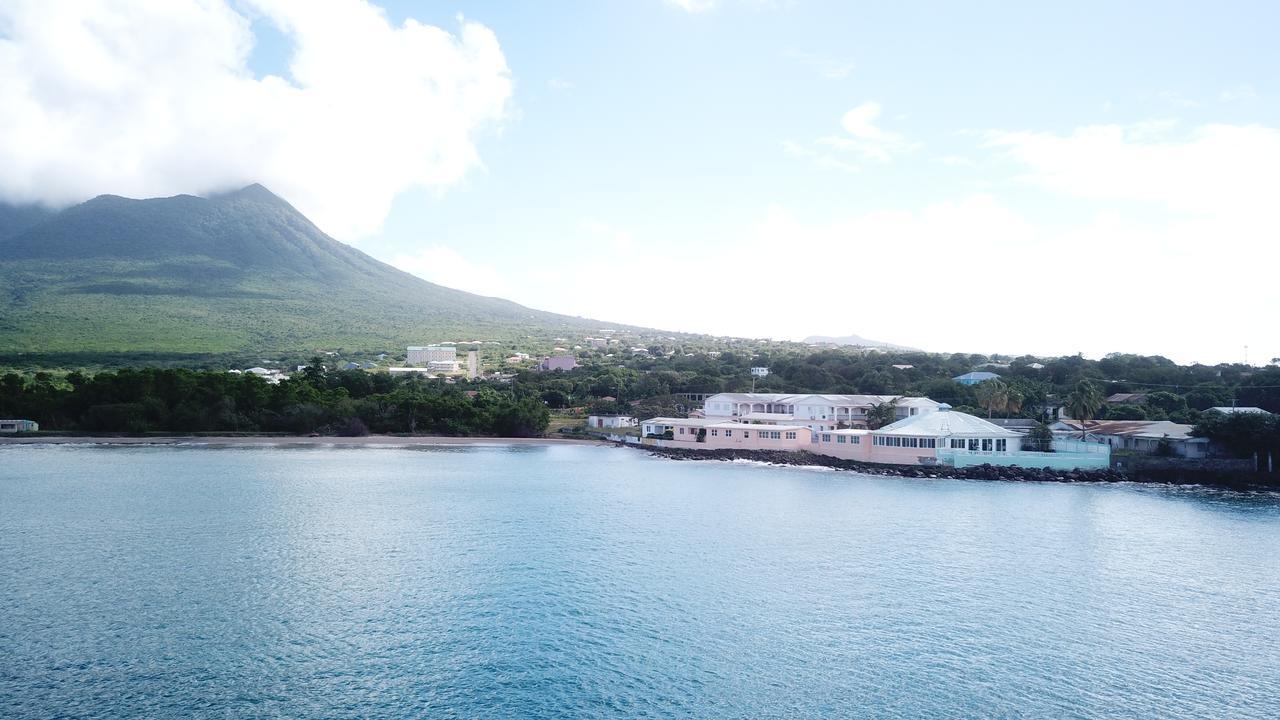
[976, 472]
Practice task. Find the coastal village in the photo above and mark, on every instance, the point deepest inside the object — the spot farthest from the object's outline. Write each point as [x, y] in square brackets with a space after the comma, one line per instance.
[891, 429]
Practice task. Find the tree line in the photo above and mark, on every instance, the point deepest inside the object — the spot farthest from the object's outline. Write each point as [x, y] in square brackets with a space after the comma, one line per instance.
[313, 401]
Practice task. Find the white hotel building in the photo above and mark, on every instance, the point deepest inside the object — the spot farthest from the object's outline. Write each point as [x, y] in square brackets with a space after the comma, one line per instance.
[436, 358]
[816, 412]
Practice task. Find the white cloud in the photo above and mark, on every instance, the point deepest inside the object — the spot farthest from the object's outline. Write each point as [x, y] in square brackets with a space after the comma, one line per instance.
[865, 140]
[559, 84]
[866, 137]
[1215, 169]
[155, 97]
[445, 266]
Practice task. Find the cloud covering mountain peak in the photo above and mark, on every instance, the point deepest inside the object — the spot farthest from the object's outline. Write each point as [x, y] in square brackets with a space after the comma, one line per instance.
[157, 97]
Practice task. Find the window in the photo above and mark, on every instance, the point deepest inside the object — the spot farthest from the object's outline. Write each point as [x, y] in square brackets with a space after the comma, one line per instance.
[791, 436]
[729, 433]
[715, 433]
[855, 440]
[839, 438]
[973, 445]
[827, 438]
[986, 444]
[681, 431]
[1001, 445]
[957, 444]
[745, 434]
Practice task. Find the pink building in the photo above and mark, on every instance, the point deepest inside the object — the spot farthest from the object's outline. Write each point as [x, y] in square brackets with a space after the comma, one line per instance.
[942, 437]
[843, 444]
[716, 433]
[921, 440]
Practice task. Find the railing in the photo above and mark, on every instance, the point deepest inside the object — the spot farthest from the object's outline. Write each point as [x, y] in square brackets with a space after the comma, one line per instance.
[1066, 460]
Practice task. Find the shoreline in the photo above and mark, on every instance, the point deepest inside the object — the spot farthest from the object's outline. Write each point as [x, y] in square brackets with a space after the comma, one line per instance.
[298, 440]
[1007, 473]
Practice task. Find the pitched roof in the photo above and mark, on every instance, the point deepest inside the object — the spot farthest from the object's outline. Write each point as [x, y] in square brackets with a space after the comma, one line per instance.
[1127, 398]
[1230, 410]
[1135, 428]
[977, 375]
[945, 423]
[1015, 423]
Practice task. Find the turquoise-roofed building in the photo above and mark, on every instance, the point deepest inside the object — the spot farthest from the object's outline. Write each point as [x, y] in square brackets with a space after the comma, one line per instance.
[973, 378]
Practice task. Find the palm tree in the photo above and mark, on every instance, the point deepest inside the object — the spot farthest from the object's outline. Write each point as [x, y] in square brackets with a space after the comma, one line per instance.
[1013, 404]
[1084, 403]
[881, 414]
[993, 395]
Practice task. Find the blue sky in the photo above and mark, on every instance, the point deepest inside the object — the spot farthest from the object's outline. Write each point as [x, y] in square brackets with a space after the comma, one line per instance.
[992, 177]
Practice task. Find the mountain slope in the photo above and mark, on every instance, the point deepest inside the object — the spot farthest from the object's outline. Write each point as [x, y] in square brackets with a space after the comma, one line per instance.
[243, 271]
[17, 219]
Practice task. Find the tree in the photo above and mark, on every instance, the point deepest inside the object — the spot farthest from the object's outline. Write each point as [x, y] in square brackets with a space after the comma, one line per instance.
[1013, 401]
[1040, 439]
[992, 395]
[1124, 412]
[1240, 433]
[881, 414]
[1166, 402]
[1084, 402]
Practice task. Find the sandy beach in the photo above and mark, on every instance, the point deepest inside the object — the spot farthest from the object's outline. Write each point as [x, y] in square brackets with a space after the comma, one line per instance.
[277, 441]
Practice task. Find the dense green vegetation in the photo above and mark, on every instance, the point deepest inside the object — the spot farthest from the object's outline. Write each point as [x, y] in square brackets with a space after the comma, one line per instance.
[1174, 392]
[1242, 434]
[236, 273]
[655, 383]
[342, 402]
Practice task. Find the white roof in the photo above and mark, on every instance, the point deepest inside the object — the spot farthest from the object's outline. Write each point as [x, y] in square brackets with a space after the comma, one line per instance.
[718, 423]
[696, 422]
[728, 425]
[918, 402]
[753, 397]
[946, 423]
[1230, 410]
[792, 399]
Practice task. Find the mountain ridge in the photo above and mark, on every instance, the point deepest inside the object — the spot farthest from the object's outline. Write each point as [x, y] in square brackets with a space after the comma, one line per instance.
[235, 271]
[856, 341]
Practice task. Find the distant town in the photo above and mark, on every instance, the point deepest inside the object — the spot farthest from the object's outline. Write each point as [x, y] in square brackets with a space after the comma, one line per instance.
[866, 404]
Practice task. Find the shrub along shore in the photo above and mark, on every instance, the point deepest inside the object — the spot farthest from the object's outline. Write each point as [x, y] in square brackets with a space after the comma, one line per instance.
[977, 472]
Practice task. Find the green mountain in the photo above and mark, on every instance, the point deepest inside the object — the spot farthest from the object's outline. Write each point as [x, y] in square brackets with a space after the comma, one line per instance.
[16, 219]
[240, 272]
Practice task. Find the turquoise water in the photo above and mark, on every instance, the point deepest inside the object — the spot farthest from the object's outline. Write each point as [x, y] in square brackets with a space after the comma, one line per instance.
[575, 581]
